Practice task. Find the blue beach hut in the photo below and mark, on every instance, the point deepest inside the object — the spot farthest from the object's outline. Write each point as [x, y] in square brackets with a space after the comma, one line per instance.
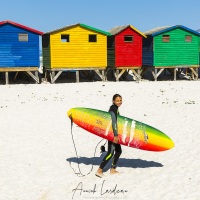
[19, 48]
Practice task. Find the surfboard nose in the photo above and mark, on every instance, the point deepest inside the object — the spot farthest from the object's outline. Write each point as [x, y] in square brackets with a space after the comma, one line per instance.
[171, 144]
[167, 143]
[157, 140]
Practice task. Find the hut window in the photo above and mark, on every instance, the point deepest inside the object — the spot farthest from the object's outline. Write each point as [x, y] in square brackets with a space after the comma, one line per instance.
[92, 38]
[128, 38]
[188, 38]
[166, 38]
[65, 38]
[23, 37]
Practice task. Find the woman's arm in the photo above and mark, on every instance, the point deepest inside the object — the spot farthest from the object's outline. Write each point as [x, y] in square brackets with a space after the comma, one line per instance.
[114, 123]
[114, 126]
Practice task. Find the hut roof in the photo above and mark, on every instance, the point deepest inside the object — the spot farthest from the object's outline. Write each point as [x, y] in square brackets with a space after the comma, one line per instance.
[79, 24]
[118, 29]
[161, 30]
[21, 26]
[155, 30]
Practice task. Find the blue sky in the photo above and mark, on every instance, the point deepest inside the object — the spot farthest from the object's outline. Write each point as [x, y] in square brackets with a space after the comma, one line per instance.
[103, 14]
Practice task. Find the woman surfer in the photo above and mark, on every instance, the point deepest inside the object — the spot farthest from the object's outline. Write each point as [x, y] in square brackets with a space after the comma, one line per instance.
[114, 149]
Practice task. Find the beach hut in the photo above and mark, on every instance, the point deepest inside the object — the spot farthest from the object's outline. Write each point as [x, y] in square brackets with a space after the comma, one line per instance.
[125, 50]
[173, 48]
[19, 49]
[75, 47]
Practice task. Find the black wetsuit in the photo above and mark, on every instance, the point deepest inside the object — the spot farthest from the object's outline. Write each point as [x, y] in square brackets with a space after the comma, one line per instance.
[113, 149]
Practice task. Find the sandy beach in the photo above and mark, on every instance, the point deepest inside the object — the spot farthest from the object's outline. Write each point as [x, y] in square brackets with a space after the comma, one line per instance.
[38, 156]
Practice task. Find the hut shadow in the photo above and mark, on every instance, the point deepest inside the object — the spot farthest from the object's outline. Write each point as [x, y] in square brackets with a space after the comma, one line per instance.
[123, 162]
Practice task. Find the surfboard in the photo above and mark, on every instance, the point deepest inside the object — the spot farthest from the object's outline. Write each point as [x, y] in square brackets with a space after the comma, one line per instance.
[131, 133]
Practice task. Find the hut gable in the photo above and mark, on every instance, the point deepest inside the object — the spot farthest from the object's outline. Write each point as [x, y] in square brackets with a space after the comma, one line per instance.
[19, 45]
[176, 27]
[75, 46]
[156, 30]
[125, 47]
[118, 29]
[171, 46]
[7, 22]
[76, 25]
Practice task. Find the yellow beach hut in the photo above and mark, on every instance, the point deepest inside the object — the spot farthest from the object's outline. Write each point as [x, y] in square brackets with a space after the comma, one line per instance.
[75, 47]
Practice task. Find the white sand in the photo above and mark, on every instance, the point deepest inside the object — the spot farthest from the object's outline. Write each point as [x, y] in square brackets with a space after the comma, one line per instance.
[36, 145]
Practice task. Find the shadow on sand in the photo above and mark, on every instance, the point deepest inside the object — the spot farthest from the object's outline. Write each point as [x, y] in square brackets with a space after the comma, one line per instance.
[123, 162]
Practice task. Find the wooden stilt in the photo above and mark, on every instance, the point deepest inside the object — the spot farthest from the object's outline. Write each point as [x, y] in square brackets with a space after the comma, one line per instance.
[156, 70]
[160, 71]
[100, 74]
[16, 75]
[197, 71]
[54, 77]
[103, 75]
[121, 73]
[7, 78]
[27, 70]
[32, 75]
[53, 74]
[37, 77]
[106, 73]
[194, 74]
[140, 71]
[175, 71]
[137, 75]
[174, 74]
[117, 75]
[77, 76]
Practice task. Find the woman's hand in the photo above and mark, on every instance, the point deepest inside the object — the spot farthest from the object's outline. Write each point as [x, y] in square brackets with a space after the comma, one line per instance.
[116, 139]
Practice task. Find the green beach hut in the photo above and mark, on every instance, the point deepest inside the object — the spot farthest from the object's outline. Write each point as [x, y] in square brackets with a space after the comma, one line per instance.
[172, 48]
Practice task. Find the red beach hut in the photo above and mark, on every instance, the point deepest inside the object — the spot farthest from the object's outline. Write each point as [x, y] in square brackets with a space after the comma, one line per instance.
[125, 49]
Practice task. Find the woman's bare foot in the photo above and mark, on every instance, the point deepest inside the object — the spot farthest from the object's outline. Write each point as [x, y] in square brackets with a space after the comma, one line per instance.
[113, 171]
[99, 173]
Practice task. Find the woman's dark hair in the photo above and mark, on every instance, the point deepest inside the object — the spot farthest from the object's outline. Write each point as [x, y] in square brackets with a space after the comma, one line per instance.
[115, 96]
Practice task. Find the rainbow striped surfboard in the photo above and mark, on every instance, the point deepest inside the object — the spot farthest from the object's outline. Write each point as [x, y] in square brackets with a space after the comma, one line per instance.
[131, 133]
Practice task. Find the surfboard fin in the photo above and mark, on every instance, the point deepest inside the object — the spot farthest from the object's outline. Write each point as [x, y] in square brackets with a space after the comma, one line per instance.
[103, 149]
